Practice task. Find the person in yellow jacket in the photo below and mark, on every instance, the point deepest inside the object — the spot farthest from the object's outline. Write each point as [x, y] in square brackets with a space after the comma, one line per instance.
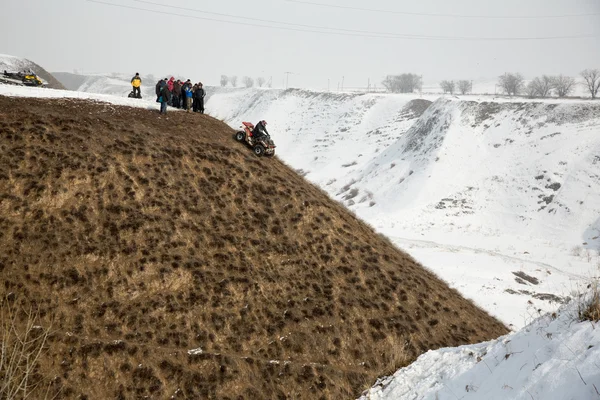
[136, 82]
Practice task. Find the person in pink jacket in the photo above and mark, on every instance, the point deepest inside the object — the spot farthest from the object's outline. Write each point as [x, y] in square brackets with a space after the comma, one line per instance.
[170, 84]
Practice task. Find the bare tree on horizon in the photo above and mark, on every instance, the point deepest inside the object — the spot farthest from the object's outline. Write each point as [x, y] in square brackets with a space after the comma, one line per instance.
[448, 86]
[592, 81]
[224, 80]
[512, 84]
[247, 81]
[404, 83]
[531, 89]
[542, 86]
[563, 85]
[464, 86]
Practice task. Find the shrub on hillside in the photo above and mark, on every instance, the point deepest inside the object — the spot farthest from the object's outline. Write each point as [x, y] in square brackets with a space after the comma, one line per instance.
[589, 309]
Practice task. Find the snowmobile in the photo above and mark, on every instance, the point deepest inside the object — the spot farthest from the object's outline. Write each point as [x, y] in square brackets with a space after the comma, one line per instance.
[261, 145]
[21, 78]
[131, 95]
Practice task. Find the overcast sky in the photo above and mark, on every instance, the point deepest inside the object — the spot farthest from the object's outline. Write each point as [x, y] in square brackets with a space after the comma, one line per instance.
[68, 35]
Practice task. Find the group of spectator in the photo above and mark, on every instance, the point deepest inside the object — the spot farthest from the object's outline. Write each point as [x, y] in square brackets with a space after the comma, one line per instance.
[175, 93]
[179, 94]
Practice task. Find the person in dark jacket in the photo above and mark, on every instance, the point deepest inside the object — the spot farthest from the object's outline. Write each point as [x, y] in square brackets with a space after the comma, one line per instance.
[194, 100]
[199, 94]
[136, 82]
[159, 86]
[260, 129]
[164, 95]
[176, 93]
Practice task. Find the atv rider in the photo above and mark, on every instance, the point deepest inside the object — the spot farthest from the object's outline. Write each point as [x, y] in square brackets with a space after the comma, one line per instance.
[260, 129]
[136, 82]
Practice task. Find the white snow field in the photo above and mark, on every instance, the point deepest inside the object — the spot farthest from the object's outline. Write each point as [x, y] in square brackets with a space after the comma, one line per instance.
[20, 91]
[14, 64]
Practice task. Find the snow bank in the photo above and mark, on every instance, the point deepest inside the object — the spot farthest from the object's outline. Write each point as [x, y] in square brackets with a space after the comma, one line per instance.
[493, 167]
[555, 357]
[116, 84]
[21, 91]
[327, 135]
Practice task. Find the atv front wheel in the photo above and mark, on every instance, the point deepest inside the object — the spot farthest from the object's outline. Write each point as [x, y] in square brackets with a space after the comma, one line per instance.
[239, 136]
[259, 150]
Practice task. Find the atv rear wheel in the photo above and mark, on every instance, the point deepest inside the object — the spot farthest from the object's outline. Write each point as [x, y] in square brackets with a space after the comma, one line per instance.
[239, 136]
[259, 150]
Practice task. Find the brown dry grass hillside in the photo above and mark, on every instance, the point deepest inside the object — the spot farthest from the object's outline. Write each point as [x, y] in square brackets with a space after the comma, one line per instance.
[139, 238]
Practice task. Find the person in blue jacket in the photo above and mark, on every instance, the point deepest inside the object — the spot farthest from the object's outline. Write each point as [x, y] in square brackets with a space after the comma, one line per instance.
[187, 89]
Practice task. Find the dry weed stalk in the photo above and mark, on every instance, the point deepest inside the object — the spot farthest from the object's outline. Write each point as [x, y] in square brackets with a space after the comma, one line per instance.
[590, 310]
[23, 343]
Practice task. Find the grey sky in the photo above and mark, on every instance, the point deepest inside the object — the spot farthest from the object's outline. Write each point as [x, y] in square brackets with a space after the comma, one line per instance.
[64, 35]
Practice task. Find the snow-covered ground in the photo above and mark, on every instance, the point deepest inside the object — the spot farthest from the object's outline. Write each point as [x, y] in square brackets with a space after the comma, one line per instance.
[13, 64]
[20, 91]
[116, 84]
[18, 64]
[555, 357]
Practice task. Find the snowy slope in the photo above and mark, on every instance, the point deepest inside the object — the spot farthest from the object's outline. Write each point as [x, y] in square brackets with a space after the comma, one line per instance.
[20, 91]
[17, 64]
[555, 357]
[328, 135]
[518, 176]
[108, 84]
[116, 84]
[493, 168]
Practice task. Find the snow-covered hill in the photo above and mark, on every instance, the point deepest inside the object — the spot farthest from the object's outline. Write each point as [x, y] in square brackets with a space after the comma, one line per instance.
[514, 186]
[326, 134]
[555, 357]
[109, 84]
[18, 64]
[479, 191]
[20, 91]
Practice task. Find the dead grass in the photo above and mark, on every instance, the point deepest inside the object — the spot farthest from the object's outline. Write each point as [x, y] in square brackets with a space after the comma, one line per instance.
[148, 237]
[24, 337]
[589, 310]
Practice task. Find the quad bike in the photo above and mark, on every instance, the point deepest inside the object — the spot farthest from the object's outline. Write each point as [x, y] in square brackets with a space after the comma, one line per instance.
[21, 78]
[261, 145]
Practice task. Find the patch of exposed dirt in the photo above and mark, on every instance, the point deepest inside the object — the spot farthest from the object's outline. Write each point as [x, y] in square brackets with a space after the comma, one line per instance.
[522, 277]
[145, 237]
